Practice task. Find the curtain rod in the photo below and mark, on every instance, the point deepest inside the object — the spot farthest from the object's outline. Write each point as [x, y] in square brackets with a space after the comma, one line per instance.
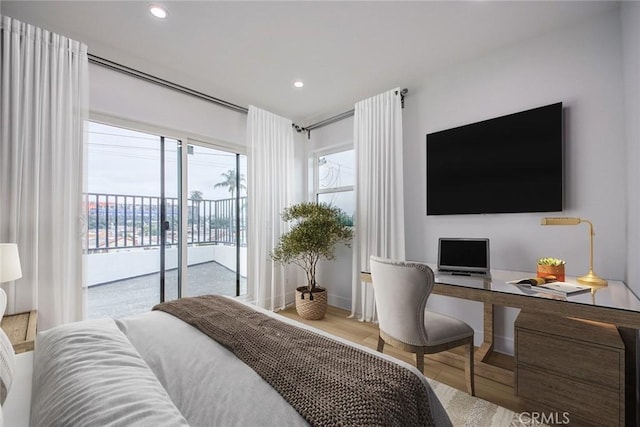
[346, 114]
[166, 83]
[162, 82]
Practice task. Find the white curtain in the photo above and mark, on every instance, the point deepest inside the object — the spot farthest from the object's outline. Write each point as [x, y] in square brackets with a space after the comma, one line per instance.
[43, 108]
[377, 138]
[270, 189]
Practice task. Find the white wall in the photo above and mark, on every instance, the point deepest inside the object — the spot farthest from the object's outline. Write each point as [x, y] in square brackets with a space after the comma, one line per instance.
[336, 134]
[630, 13]
[580, 66]
[116, 94]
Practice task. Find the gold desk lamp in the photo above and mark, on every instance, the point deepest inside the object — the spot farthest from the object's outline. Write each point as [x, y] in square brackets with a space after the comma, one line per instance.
[590, 278]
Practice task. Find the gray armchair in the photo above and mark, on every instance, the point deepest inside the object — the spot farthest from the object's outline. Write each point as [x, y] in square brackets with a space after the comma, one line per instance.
[401, 291]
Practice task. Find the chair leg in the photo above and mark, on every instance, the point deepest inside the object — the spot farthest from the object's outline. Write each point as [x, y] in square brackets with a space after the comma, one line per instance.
[468, 369]
[380, 344]
[420, 361]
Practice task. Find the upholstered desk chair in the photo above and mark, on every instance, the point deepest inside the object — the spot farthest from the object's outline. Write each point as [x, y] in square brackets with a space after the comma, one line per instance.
[401, 292]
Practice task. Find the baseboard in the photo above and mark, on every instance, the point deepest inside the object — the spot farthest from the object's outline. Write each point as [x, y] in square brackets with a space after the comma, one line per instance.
[504, 345]
[338, 301]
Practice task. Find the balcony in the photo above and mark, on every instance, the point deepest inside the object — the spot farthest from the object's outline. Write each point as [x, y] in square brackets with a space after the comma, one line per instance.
[122, 248]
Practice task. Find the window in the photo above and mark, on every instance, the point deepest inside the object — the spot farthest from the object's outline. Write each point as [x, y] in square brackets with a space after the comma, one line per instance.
[334, 180]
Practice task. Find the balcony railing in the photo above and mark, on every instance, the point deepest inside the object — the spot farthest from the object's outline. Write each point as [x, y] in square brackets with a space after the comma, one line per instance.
[116, 221]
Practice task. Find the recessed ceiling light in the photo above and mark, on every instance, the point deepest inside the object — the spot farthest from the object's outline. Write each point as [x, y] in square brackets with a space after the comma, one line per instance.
[158, 12]
[298, 83]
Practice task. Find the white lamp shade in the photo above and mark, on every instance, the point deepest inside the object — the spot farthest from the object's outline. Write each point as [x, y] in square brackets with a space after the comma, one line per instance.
[9, 262]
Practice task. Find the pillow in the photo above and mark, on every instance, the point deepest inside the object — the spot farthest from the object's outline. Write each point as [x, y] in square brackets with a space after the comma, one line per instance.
[89, 374]
[7, 365]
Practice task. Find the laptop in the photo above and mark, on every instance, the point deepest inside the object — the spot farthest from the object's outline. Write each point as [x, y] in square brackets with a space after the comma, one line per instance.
[464, 257]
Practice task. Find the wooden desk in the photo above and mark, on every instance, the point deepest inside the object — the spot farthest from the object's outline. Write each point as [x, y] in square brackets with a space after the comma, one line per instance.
[21, 330]
[571, 365]
[615, 304]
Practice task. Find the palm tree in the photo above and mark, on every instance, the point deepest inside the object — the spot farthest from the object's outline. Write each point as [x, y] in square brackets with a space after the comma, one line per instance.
[196, 198]
[230, 181]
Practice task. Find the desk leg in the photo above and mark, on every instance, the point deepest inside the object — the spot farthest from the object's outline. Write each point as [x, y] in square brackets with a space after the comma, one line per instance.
[483, 353]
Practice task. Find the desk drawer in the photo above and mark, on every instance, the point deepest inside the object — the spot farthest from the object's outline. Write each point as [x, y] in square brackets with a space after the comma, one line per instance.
[581, 401]
[582, 361]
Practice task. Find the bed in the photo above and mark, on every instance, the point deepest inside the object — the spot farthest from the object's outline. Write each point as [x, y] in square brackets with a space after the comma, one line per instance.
[155, 369]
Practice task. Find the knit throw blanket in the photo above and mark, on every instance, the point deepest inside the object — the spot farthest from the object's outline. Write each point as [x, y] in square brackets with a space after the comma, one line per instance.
[327, 382]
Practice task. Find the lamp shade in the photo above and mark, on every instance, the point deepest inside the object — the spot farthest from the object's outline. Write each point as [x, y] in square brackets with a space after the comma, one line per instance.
[9, 262]
[560, 221]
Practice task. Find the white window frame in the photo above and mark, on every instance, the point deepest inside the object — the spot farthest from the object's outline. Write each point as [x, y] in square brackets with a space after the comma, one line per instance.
[316, 171]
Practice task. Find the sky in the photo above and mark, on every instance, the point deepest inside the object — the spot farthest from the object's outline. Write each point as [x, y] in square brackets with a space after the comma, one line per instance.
[122, 161]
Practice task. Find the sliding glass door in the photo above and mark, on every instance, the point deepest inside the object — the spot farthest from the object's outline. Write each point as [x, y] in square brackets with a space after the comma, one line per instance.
[216, 229]
[131, 238]
[164, 220]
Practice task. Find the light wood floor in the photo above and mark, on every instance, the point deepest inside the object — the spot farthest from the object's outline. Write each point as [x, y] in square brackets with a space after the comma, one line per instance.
[337, 323]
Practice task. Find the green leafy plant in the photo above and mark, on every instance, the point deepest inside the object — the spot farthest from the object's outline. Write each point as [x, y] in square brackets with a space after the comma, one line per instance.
[554, 262]
[316, 229]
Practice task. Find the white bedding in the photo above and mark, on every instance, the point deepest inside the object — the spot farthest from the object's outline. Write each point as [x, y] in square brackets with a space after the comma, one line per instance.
[205, 380]
[16, 409]
[208, 384]
[88, 374]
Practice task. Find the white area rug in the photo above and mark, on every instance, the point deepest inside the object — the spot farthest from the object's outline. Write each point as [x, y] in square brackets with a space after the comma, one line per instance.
[468, 411]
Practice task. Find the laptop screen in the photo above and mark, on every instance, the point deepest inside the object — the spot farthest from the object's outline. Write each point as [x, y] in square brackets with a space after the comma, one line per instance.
[463, 255]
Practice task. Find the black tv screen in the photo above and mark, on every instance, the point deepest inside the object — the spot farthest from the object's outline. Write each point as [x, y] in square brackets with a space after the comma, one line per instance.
[509, 164]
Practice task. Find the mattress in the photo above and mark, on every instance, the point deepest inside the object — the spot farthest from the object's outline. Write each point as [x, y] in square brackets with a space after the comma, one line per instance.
[154, 369]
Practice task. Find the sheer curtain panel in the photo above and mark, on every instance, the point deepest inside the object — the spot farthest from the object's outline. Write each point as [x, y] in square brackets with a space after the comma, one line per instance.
[379, 225]
[43, 108]
[270, 189]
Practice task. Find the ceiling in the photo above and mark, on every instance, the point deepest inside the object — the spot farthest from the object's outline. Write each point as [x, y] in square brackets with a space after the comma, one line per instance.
[344, 51]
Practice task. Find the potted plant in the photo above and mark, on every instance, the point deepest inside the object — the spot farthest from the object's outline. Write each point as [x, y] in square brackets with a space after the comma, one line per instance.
[315, 231]
[551, 269]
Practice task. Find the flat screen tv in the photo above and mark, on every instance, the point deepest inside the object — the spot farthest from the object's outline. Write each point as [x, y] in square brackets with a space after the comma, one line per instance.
[508, 164]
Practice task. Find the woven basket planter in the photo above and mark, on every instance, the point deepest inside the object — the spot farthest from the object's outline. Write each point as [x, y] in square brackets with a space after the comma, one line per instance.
[311, 309]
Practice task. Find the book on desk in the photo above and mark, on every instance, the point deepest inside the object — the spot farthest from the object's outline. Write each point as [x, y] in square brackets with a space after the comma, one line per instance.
[556, 288]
